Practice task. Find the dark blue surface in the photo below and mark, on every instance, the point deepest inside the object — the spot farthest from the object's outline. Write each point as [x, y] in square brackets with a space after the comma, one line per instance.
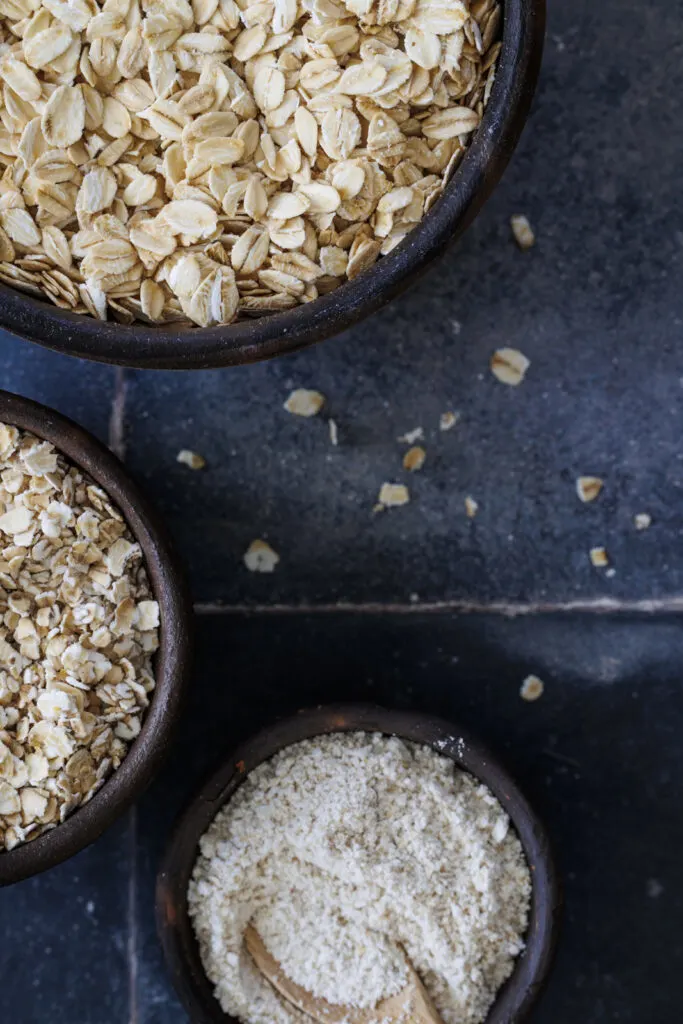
[597, 306]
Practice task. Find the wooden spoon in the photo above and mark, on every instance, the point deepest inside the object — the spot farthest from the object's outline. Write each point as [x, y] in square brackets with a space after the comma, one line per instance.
[411, 1005]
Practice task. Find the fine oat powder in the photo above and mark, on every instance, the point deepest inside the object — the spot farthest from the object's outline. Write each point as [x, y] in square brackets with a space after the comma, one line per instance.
[348, 853]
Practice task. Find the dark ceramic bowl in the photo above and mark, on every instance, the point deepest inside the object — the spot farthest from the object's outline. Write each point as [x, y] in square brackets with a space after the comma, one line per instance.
[246, 342]
[172, 661]
[175, 930]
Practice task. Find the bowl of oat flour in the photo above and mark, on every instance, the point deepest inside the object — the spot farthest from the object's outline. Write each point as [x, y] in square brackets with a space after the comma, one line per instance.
[359, 843]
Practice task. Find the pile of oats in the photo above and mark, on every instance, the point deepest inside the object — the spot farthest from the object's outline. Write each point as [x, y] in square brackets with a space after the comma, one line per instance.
[178, 162]
[78, 629]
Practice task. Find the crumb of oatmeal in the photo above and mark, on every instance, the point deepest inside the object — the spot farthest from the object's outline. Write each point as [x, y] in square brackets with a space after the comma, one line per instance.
[532, 688]
[191, 459]
[393, 495]
[642, 521]
[334, 433]
[411, 436]
[303, 402]
[414, 459]
[260, 557]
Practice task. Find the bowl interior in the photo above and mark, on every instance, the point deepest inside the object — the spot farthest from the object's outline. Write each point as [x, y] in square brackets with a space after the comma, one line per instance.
[264, 337]
[175, 930]
[171, 661]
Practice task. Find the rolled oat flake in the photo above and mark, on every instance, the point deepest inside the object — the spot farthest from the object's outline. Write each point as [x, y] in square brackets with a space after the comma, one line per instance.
[344, 851]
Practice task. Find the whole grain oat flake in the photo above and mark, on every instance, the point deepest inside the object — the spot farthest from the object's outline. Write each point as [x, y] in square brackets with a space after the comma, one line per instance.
[509, 366]
[197, 163]
[260, 557]
[303, 402]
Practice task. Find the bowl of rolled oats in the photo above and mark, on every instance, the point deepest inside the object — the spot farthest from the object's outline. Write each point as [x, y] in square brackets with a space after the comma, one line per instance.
[210, 183]
[94, 638]
[354, 838]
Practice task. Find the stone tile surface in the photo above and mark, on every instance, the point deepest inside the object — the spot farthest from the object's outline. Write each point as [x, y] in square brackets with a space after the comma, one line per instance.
[598, 757]
[597, 307]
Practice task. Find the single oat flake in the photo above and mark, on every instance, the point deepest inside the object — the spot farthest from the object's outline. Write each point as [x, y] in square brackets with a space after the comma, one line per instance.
[334, 432]
[532, 688]
[190, 459]
[260, 557]
[589, 487]
[448, 420]
[471, 507]
[509, 366]
[599, 558]
[303, 402]
[414, 459]
[523, 232]
[392, 496]
[642, 521]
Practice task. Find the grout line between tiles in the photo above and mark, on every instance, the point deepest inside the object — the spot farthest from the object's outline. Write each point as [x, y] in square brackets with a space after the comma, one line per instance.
[117, 416]
[510, 609]
[132, 918]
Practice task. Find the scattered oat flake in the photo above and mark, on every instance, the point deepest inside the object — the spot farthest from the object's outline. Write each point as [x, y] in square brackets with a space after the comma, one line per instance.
[509, 366]
[599, 558]
[414, 459]
[260, 557]
[471, 507]
[191, 459]
[532, 688]
[393, 495]
[303, 402]
[589, 487]
[642, 521]
[411, 436]
[523, 232]
[334, 433]
[448, 420]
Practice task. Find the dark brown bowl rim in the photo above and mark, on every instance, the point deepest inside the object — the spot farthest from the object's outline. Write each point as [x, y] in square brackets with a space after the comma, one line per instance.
[249, 341]
[172, 661]
[181, 951]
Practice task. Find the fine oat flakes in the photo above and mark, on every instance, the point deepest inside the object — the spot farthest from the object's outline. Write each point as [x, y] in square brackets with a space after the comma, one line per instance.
[78, 631]
[195, 163]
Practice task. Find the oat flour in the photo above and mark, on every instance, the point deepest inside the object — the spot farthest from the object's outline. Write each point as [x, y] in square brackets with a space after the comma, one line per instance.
[346, 850]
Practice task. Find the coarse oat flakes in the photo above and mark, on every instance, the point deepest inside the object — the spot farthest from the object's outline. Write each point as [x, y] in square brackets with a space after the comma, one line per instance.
[197, 163]
[78, 631]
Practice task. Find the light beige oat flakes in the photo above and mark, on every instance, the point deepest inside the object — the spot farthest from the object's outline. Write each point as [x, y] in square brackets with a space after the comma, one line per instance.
[260, 557]
[193, 460]
[509, 366]
[414, 459]
[78, 630]
[523, 232]
[303, 402]
[166, 159]
[589, 487]
[392, 496]
[532, 688]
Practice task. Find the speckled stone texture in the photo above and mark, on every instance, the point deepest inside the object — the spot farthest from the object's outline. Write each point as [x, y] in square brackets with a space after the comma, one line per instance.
[598, 309]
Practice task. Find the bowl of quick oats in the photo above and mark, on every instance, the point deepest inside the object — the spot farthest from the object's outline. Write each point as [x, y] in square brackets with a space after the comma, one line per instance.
[94, 638]
[360, 845]
[210, 183]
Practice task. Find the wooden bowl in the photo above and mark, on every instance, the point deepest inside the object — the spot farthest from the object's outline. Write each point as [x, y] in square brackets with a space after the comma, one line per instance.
[175, 929]
[172, 661]
[268, 336]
